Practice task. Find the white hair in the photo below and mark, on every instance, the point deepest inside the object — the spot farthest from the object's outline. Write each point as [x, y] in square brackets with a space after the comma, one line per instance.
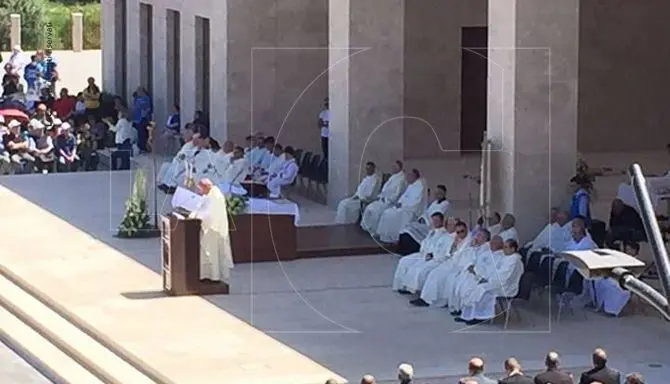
[406, 370]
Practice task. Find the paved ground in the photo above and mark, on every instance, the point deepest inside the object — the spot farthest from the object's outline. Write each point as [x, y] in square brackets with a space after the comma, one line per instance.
[14, 370]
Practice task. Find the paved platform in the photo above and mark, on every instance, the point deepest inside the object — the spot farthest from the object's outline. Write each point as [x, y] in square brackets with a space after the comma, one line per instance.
[296, 322]
[13, 369]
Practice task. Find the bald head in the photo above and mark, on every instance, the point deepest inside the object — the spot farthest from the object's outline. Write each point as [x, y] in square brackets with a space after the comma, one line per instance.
[512, 365]
[476, 365]
[508, 221]
[552, 360]
[228, 146]
[368, 379]
[599, 358]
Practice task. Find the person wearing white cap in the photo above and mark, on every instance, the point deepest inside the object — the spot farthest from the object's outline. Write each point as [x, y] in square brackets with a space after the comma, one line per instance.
[66, 144]
[405, 373]
[41, 147]
[18, 146]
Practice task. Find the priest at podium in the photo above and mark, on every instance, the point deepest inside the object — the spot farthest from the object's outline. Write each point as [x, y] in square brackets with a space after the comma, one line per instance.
[216, 259]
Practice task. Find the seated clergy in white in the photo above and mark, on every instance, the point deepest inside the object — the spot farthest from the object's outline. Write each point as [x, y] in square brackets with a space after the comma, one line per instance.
[278, 159]
[221, 161]
[349, 209]
[434, 284]
[169, 171]
[408, 208]
[203, 162]
[494, 226]
[479, 303]
[484, 267]
[581, 241]
[414, 232]
[542, 240]
[285, 176]
[216, 258]
[507, 230]
[200, 158]
[391, 191]
[608, 295]
[412, 270]
[238, 169]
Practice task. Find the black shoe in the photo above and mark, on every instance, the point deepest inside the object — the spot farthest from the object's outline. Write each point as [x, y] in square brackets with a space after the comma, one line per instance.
[455, 313]
[163, 188]
[419, 303]
[171, 190]
[404, 292]
[474, 322]
[460, 320]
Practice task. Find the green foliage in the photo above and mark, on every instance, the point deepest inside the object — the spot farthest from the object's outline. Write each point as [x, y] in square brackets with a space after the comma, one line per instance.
[136, 218]
[236, 204]
[48, 24]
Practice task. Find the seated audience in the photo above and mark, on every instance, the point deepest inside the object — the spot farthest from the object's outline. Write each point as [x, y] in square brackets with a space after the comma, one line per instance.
[494, 224]
[476, 372]
[432, 292]
[64, 106]
[41, 147]
[408, 208]
[389, 195]
[66, 146]
[411, 236]
[169, 173]
[238, 169]
[285, 176]
[541, 241]
[412, 270]
[514, 375]
[554, 374]
[87, 146]
[507, 230]
[625, 224]
[405, 373]
[600, 371]
[17, 146]
[349, 209]
[502, 281]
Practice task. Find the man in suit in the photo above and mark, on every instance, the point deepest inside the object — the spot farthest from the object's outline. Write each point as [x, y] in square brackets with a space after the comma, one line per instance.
[600, 372]
[514, 374]
[476, 372]
[553, 374]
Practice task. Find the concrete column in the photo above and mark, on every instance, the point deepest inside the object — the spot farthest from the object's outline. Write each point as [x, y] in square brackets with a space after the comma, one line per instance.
[532, 106]
[77, 31]
[108, 36]
[187, 67]
[133, 47]
[159, 62]
[15, 29]
[366, 89]
[218, 70]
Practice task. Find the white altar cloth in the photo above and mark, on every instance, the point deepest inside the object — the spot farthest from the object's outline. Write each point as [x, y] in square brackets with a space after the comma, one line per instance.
[188, 200]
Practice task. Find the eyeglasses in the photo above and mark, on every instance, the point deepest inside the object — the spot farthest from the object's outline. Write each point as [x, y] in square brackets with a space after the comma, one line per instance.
[460, 232]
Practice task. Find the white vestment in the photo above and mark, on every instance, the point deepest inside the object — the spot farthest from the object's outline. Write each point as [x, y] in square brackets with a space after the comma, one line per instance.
[609, 296]
[418, 229]
[484, 267]
[236, 172]
[433, 289]
[494, 229]
[276, 164]
[480, 302]
[508, 234]
[349, 209]
[285, 176]
[394, 219]
[412, 270]
[220, 163]
[390, 193]
[169, 172]
[255, 157]
[585, 244]
[473, 256]
[216, 259]
[203, 165]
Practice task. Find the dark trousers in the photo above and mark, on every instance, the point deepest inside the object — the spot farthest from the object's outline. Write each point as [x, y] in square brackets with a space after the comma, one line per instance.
[407, 245]
[122, 153]
[324, 147]
[89, 160]
[142, 134]
[623, 234]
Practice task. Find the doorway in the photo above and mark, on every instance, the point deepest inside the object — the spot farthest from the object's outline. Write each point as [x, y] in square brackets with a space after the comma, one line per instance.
[474, 84]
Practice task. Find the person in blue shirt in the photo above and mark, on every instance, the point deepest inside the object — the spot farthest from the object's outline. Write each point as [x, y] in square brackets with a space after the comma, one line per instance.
[30, 72]
[581, 199]
[141, 114]
[51, 72]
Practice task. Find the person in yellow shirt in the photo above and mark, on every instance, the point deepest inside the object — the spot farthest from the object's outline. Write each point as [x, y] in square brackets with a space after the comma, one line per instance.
[92, 98]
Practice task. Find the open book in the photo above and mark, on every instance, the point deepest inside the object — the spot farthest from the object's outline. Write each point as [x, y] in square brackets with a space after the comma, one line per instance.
[599, 262]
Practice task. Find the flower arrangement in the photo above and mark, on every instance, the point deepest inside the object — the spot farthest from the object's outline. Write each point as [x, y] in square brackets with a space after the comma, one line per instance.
[236, 204]
[136, 218]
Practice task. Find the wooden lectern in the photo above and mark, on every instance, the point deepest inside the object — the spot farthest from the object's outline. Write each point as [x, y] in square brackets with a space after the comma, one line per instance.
[180, 242]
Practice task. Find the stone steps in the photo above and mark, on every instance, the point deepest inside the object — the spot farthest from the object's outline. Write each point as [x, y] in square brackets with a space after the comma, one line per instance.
[55, 341]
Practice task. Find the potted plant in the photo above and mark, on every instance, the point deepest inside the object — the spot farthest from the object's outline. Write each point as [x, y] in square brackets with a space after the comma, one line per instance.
[135, 223]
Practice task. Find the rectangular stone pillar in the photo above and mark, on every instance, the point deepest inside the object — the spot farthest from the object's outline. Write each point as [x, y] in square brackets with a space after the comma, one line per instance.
[159, 62]
[108, 36]
[532, 106]
[133, 48]
[77, 31]
[187, 66]
[218, 79]
[366, 89]
[15, 30]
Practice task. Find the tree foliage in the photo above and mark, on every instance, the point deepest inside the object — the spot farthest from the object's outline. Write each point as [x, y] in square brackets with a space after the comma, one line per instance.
[33, 27]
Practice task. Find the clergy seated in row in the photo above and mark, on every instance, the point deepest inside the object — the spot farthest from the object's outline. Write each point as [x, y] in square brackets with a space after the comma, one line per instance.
[625, 225]
[409, 207]
[555, 236]
[430, 292]
[349, 209]
[238, 170]
[580, 242]
[216, 258]
[169, 171]
[285, 175]
[506, 230]
[607, 295]
[389, 195]
[412, 270]
[256, 152]
[477, 297]
[272, 164]
[184, 165]
[493, 225]
[413, 234]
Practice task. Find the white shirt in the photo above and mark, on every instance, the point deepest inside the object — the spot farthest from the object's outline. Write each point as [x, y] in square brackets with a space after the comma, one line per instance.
[124, 131]
[325, 117]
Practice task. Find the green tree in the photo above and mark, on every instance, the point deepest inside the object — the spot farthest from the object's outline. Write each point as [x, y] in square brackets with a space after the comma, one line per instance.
[33, 29]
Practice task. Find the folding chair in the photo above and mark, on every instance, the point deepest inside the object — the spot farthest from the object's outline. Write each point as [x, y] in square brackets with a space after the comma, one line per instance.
[506, 304]
[312, 173]
[306, 160]
[566, 295]
[322, 179]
